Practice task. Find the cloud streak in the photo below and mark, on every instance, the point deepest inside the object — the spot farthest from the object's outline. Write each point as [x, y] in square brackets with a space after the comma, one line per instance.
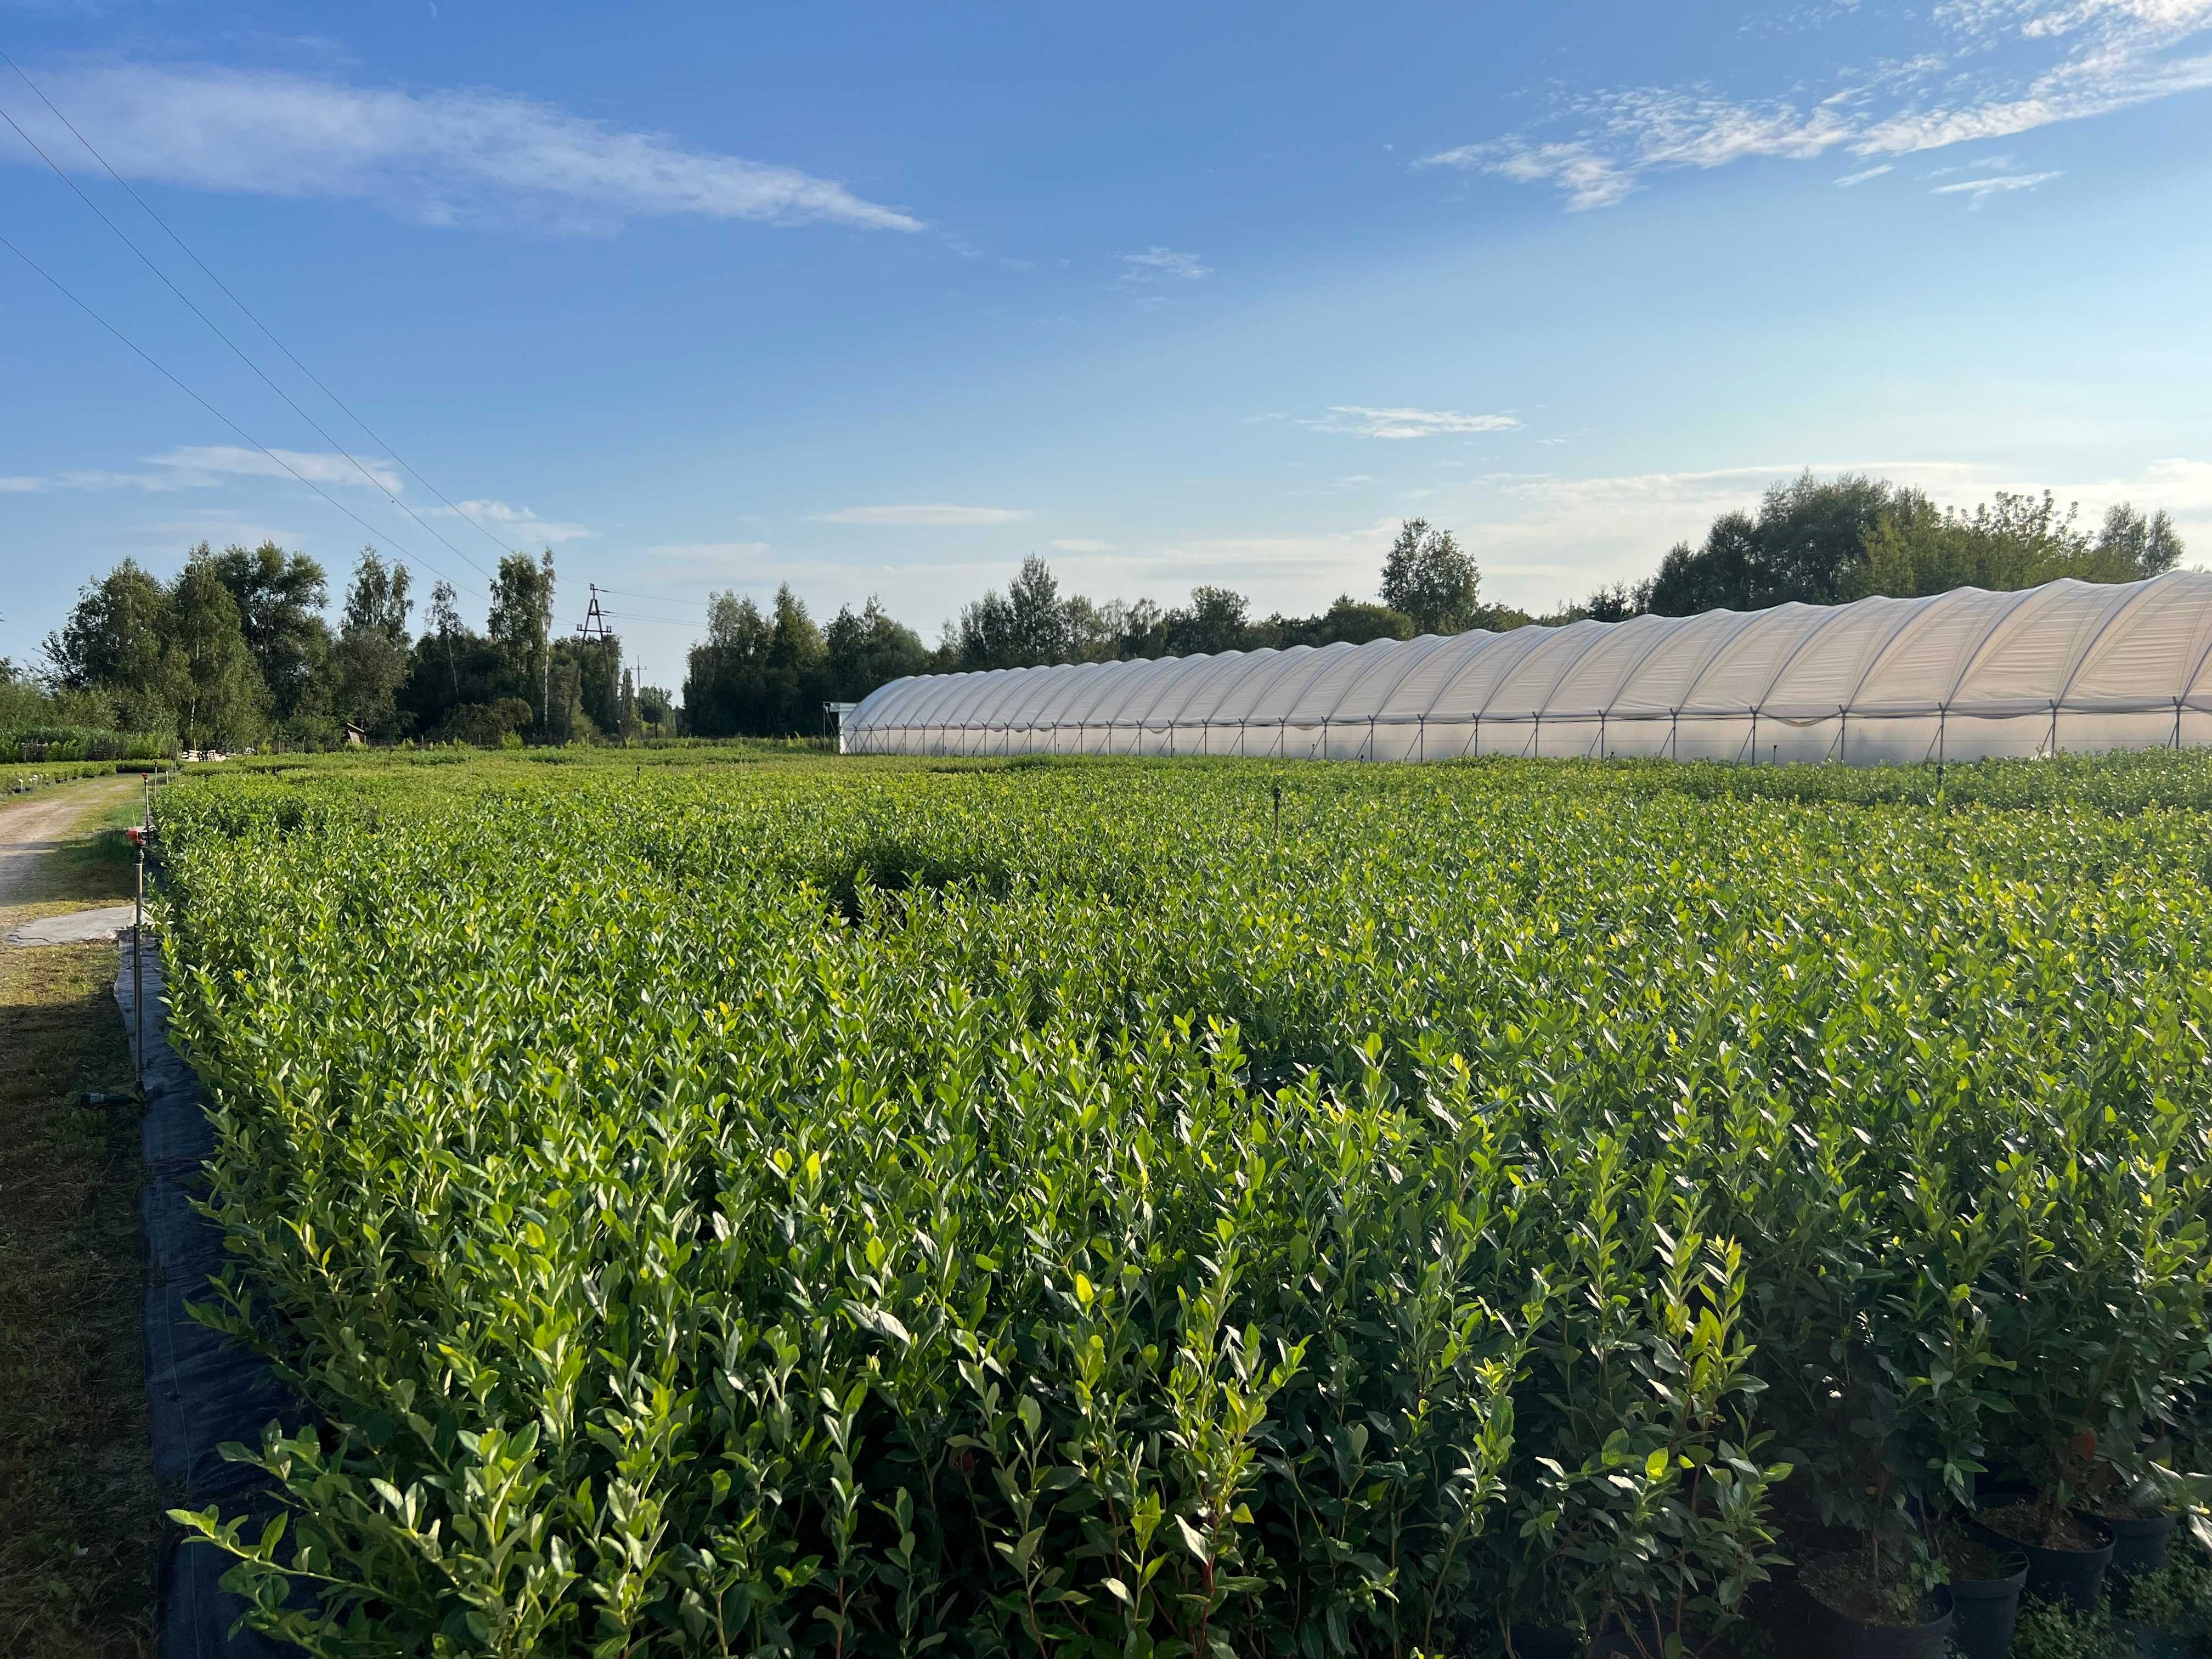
[1557, 535]
[1163, 265]
[1363, 421]
[2090, 58]
[205, 466]
[516, 524]
[704, 552]
[923, 512]
[462, 156]
[2002, 184]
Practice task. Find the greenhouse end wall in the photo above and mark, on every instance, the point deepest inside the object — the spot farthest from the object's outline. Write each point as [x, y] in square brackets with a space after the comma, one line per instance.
[1967, 675]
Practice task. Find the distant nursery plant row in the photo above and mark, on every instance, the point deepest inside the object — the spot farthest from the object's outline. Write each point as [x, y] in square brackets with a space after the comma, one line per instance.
[1059, 1210]
[74, 745]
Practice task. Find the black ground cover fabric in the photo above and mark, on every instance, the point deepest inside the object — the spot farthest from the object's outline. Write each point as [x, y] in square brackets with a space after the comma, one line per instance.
[203, 1389]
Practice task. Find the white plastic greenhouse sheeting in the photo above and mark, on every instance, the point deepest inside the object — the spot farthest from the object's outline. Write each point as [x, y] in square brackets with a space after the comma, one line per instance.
[1964, 676]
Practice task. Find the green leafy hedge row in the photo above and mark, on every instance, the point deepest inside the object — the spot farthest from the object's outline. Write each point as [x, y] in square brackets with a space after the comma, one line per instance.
[50, 744]
[20, 778]
[1052, 1210]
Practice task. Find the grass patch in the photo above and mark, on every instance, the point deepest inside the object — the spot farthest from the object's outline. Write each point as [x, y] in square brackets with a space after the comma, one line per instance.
[79, 1527]
[95, 865]
[100, 865]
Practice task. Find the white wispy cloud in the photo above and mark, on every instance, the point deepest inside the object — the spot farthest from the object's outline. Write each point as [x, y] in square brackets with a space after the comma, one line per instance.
[924, 513]
[2038, 19]
[1334, 554]
[210, 462]
[704, 552]
[1362, 422]
[203, 466]
[163, 539]
[442, 156]
[1550, 537]
[515, 524]
[1081, 545]
[1797, 19]
[1979, 164]
[1982, 189]
[1645, 130]
[1851, 179]
[1541, 537]
[1589, 178]
[1163, 265]
[2091, 57]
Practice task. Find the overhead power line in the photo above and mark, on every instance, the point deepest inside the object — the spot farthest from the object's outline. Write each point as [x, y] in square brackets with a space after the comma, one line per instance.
[149, 361]
[662, 598]
[481, 529]
[632, 616]
[215, 329]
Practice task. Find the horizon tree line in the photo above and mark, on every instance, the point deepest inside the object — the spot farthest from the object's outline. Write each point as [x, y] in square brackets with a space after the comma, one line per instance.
[234, 650]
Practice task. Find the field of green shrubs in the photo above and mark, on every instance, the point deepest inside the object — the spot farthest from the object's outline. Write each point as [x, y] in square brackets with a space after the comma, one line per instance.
[1187, 1208]
[24, 779]
[52, 744]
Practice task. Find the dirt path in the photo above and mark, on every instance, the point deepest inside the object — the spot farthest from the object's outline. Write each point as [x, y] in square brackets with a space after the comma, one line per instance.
[81, 1521]
[34, 828]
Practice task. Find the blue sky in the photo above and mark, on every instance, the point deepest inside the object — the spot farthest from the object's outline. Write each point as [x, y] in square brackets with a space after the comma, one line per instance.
[879, 299]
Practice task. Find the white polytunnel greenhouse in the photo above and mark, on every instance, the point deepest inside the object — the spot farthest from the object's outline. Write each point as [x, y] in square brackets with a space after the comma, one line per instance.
[1964, 676]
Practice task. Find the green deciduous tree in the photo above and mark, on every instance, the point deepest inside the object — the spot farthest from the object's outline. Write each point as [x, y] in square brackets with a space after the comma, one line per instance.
[794, 670]
[1350, 621]
[368, 663]
[1427, 577]
[2014, 541]
[656, 711]
[280, 597]
[209, 671]
[521, 627]
[2150, 545]
[1801, 545]
[723, 681]
[868, 648]
[1824, 541]
[378, 599]
[1039, 630]
[595, 665]
[1100, 632]
[1027, 626]
[1214, 622]
[115, 642]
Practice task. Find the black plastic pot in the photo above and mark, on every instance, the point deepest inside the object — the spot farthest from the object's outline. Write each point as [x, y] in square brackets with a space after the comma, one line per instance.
[2074, 1576]
[1839, 1635]
[2139, 1541]
[1987, 1610]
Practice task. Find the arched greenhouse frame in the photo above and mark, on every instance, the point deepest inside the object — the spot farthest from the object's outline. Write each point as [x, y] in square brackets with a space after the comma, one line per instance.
[1966, 675]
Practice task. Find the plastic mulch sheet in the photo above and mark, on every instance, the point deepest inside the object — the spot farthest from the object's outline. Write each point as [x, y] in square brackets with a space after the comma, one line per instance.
[203, 1389]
